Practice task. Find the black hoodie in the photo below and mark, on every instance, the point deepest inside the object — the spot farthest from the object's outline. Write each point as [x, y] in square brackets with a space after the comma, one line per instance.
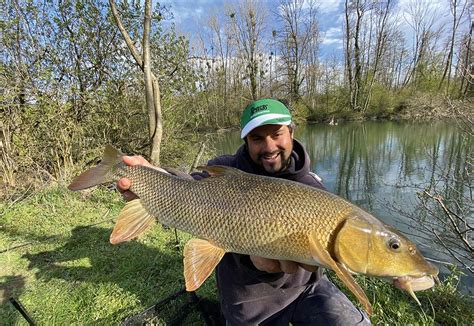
[249, 296]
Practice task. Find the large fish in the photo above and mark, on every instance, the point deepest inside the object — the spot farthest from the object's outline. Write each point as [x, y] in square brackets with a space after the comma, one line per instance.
[234, 211]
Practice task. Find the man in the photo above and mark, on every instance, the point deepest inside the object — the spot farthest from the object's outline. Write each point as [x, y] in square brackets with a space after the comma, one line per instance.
[260, 291]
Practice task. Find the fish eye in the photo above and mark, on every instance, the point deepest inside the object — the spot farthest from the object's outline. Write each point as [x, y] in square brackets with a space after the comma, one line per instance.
[394, 244]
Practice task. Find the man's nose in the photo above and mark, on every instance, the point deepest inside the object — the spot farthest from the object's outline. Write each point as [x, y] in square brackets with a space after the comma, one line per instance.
[270, 144]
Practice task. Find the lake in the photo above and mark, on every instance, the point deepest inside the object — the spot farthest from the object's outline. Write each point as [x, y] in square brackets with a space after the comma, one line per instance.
[390, 169]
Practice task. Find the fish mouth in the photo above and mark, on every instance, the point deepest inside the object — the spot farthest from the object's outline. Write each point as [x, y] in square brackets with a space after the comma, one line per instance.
[415, 283]
[411, 284]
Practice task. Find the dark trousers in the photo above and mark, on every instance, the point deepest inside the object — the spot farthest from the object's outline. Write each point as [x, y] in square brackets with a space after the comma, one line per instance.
[320, 304]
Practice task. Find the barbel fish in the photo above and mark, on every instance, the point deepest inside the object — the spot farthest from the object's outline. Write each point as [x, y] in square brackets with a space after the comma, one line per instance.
[234, 211]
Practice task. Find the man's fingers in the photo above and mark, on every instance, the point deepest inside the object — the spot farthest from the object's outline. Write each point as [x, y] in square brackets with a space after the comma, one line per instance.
[124, 184]
[309, 268]
[289, 267]
[135, 160]
[265, 264]
[277, 266]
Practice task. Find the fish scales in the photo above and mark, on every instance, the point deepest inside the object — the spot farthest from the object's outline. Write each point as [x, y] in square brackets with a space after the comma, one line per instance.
[262, 216]
[240, 212]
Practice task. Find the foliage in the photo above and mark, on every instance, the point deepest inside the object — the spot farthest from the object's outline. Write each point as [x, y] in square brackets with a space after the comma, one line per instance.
[73, 89]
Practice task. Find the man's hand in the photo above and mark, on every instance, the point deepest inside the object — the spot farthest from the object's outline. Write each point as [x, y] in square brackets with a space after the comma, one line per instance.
[124, 184]
[277, 266]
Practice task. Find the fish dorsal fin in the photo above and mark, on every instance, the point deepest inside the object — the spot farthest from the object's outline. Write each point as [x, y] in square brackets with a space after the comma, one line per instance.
[218, 170]
[321, 254]
[132, 221]
[200, 259]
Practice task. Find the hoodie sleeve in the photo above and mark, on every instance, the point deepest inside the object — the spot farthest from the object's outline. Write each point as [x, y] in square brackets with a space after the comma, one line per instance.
[226, 160]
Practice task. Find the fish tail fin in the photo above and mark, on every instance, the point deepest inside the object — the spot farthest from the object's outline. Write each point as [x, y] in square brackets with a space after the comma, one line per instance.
[100, 173]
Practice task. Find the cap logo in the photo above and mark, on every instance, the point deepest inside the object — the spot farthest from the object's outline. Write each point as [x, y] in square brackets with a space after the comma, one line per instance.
[258, 109]
[263, 112]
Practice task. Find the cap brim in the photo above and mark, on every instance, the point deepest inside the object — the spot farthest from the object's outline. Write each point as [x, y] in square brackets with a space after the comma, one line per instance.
[268, 119]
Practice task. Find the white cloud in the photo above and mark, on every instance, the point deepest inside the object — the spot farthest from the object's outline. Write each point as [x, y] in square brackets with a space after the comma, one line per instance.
[332, 36]
[327, 6]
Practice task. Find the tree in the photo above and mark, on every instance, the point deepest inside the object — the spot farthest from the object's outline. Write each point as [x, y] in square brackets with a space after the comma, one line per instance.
[298, 40]
[152, 89]
[457, 16]
[421, 18]
[467, 66]
[353, 26]
[247, 23]
[381, 12]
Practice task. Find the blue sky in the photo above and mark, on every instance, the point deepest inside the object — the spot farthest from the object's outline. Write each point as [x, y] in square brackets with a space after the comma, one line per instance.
[190, 17]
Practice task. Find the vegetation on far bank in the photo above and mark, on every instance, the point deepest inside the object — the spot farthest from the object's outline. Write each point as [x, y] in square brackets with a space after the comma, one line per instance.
[58, 263]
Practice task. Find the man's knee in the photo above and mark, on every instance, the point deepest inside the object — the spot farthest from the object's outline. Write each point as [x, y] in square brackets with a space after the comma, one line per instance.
[324, 303]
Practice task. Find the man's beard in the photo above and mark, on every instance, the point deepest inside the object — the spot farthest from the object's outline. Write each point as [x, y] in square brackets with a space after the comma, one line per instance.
[274, 162]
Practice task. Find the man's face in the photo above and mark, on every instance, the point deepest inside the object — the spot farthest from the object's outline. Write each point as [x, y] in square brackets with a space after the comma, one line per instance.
[270, 146]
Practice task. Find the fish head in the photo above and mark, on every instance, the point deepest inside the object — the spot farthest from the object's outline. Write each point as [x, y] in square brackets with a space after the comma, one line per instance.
[369, 247]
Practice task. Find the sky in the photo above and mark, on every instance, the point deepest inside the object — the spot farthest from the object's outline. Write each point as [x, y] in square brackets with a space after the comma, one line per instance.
[190, 17]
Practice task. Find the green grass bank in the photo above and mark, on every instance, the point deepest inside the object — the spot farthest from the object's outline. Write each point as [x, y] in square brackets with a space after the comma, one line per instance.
[56, 260]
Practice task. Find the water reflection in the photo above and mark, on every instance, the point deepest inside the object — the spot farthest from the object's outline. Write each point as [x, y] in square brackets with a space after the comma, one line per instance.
[387, 168]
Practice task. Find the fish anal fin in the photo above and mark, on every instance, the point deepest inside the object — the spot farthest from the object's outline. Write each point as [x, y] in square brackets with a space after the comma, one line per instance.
[200, 259]
[319, 253]
[132, 221]
[218, 170]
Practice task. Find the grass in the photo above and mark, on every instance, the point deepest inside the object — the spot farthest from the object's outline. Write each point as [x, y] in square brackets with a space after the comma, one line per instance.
[56, 260]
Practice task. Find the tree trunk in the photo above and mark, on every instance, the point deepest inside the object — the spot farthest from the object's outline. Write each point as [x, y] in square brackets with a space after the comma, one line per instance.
[349, 54]
[152, 95]
[466, 70]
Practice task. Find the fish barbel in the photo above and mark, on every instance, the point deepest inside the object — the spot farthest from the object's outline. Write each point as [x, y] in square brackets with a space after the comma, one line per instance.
[234, 211]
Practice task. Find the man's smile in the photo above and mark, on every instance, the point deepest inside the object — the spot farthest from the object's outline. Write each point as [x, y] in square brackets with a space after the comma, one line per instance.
[270, 157]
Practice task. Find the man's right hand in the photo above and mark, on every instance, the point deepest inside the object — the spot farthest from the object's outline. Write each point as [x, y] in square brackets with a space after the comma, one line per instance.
[277, 266]
[124, 184]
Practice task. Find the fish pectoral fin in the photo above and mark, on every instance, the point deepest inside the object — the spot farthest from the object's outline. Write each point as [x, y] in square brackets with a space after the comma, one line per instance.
[218, 170]
[319, 253]
[132, 221]
[200, 259]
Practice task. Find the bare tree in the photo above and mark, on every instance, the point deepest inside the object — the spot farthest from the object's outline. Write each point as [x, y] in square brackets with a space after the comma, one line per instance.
[152, 89]
[298, 41]
[421, 17]
[457, 14]
[354, 12]
[247, 21]
[381, 11]
[467, 68]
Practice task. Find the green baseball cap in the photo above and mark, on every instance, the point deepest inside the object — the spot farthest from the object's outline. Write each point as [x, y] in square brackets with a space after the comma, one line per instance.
[263, 112]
